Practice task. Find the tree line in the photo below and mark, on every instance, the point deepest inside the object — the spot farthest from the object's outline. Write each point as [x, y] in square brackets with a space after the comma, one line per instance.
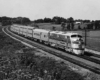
[19, 20]
[66, 23]
[71, 22]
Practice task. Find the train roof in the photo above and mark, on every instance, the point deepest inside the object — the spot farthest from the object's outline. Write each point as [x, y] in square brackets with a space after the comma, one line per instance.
[56, 32]
[41, 30]
[63, 33]
[70, 33]
[22, 26]
[30, 27]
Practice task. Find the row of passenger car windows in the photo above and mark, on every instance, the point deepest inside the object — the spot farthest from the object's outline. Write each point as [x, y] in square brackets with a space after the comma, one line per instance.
[37, 34]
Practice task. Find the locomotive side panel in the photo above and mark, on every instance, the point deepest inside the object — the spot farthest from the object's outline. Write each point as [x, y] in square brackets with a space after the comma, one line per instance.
[21, 30]
[61, 41]
[53, 39]
[36, 34]
[30, 32]
[45, 35]
[24, 30]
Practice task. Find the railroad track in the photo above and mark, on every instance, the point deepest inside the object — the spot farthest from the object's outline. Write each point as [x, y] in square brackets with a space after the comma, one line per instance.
[90, 57]
[85, 61]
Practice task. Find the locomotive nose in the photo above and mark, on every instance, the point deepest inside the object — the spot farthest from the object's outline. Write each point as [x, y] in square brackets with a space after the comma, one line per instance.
[78, 52]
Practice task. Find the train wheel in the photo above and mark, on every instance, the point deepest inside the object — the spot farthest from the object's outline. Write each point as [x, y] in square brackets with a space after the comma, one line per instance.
[50, 44]
[66, 49]
[56, 46]
[45, 43]
[40, 41]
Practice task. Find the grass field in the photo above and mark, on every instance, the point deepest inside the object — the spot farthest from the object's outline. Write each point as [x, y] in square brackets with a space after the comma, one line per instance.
[92, 39]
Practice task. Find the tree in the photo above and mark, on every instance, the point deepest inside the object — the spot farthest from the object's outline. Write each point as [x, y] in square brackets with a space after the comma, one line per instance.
[5, 20]
[25, 20]
[63, 25]
[79, 27]
[37, 26]
[39, 21]
[47, 20]
[97, 24]
[71, 23]
[86, 21]
[53, 28]
[68, 26]
[58, 20]
[0, 19]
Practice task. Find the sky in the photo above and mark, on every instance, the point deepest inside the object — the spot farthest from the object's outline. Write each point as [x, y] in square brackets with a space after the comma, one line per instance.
[36, 9]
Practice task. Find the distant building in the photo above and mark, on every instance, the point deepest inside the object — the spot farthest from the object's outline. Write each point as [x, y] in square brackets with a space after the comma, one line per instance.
[80, 25]
[78, 22]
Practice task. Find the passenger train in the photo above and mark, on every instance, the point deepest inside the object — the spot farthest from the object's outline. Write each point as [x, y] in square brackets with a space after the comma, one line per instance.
[71, 42]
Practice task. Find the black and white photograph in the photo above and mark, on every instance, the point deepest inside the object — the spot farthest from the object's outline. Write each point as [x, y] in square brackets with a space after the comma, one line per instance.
[49, 40]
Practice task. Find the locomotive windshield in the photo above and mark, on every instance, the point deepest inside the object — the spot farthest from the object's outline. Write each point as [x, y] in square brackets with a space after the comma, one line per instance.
[79, 41]
[73, 36]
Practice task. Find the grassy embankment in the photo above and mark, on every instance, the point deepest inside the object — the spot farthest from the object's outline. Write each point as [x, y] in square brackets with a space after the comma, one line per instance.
[20, 63]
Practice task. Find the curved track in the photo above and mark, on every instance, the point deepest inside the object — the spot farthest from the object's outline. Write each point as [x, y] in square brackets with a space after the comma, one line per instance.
[86, 61]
